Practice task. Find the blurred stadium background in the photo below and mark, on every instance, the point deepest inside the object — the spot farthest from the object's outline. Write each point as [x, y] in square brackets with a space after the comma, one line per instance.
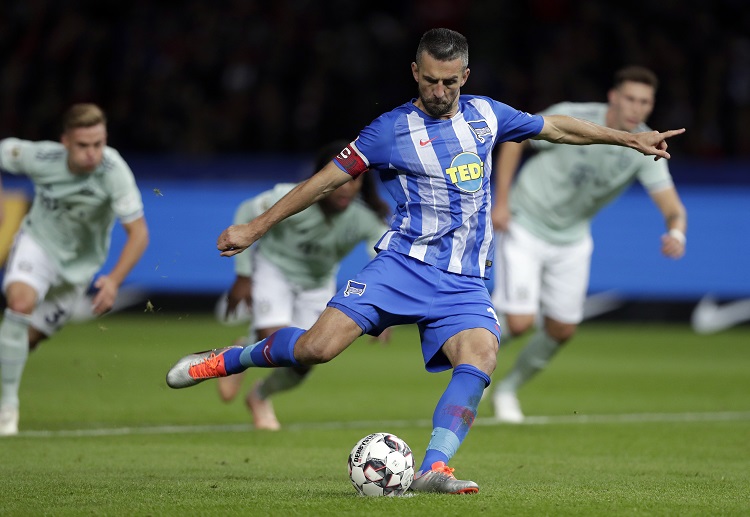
[212, 103]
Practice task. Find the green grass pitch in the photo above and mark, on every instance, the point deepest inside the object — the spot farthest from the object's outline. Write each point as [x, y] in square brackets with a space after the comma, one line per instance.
[630, 419]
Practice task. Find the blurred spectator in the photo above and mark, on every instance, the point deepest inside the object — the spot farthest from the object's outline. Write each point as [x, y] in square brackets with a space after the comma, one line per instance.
[205, 77]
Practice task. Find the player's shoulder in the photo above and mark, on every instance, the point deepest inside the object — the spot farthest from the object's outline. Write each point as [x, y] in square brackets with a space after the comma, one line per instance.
[112, 160]
[283, 188]
[267, 198]
[476, 101]
[468, 98]
[360, 209]
[404, 109]
[43, 151]
[359, 215]
[583, 110]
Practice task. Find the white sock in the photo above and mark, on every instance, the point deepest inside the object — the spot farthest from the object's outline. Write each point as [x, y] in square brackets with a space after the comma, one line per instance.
[282, 379]
[14, 350]
[535, 355]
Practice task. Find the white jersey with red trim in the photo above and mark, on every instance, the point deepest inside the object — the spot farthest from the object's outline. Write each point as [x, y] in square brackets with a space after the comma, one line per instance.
[438, 172]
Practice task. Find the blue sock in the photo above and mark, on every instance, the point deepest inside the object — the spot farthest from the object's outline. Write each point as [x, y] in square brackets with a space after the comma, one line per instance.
[454, 414]
[274, 351]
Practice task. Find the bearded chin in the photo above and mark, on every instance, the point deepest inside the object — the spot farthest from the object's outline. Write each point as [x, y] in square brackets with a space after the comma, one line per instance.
[436, 110]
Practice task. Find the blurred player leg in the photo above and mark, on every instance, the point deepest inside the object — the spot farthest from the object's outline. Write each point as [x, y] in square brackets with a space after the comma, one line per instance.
[563, 292]
[306, 306]
[257, 400]
[14, 351]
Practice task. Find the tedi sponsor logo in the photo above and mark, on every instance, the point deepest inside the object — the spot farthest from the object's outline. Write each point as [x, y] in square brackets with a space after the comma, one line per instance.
[466, 172]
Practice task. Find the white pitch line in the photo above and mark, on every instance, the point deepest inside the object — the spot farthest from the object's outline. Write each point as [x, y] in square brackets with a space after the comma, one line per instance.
[726, 416]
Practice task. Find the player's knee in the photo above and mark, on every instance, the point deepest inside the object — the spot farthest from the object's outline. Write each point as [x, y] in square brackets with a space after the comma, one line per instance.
[488, 357]
[560, 332]
[309, 350]
[21, 304]
[519, 324]
[483, 355]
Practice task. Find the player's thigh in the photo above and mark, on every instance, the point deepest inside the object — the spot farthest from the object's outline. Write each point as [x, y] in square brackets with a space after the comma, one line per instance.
[476, 346]
[330, 335]
[273, 295]
[392, 289]
[565, 282]
[518, 271]
[29, 264]
[309, 304]
[57, 308]
[462, 317]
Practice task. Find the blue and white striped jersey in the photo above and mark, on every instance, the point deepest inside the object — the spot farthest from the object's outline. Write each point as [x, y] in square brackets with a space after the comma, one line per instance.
[438, 172]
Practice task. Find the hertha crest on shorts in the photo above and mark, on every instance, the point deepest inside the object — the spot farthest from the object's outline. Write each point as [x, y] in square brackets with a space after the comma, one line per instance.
[353, 287]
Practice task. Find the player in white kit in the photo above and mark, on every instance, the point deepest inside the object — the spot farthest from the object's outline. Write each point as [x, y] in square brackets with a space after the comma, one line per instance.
[543, 220]
[290, 274]
[81, 186]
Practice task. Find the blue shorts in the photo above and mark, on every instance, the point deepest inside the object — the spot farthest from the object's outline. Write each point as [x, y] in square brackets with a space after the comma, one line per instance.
[395, 289]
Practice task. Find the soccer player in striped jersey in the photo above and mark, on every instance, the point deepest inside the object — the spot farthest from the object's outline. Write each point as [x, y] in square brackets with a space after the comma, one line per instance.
[289, 276]
[81, 187]
[546, 243]
[434, 156]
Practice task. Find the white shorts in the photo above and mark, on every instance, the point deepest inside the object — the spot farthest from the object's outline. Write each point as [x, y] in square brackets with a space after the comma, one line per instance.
[279, 303]
[56, 298]
[536, 276]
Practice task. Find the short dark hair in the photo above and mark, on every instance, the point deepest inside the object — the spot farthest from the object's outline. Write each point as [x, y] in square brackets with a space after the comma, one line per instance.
[444, 45]
[636, 74]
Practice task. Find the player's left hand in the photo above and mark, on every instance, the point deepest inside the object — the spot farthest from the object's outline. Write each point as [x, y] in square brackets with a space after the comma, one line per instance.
[106, 295]
[655, 142]
[672, 246]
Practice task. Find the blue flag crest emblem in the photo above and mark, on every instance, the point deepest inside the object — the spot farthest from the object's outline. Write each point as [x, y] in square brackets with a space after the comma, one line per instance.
[353, 287]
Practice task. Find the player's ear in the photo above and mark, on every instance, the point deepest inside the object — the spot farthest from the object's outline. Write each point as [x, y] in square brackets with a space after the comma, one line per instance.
[611, 94]
[415, 71]
[465, 76]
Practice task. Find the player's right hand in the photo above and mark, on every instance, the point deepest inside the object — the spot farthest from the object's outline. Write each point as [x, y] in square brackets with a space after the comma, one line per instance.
[235, 239]
[241, 290]
[500, 217]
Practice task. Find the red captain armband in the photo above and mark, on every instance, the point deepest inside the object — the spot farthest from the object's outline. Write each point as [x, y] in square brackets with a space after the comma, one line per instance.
[351, 161]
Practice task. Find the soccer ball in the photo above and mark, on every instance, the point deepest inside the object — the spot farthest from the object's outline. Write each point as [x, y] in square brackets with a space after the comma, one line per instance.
[381, 464]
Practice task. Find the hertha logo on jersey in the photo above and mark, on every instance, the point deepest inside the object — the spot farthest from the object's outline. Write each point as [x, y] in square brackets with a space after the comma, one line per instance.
[466, 172]
[353, 287]
[480, 129]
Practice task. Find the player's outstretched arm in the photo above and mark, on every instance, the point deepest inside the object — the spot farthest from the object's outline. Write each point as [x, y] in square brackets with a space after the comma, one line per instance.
[675, 219]
[239, 237]
[561, 129]
[108, 285]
